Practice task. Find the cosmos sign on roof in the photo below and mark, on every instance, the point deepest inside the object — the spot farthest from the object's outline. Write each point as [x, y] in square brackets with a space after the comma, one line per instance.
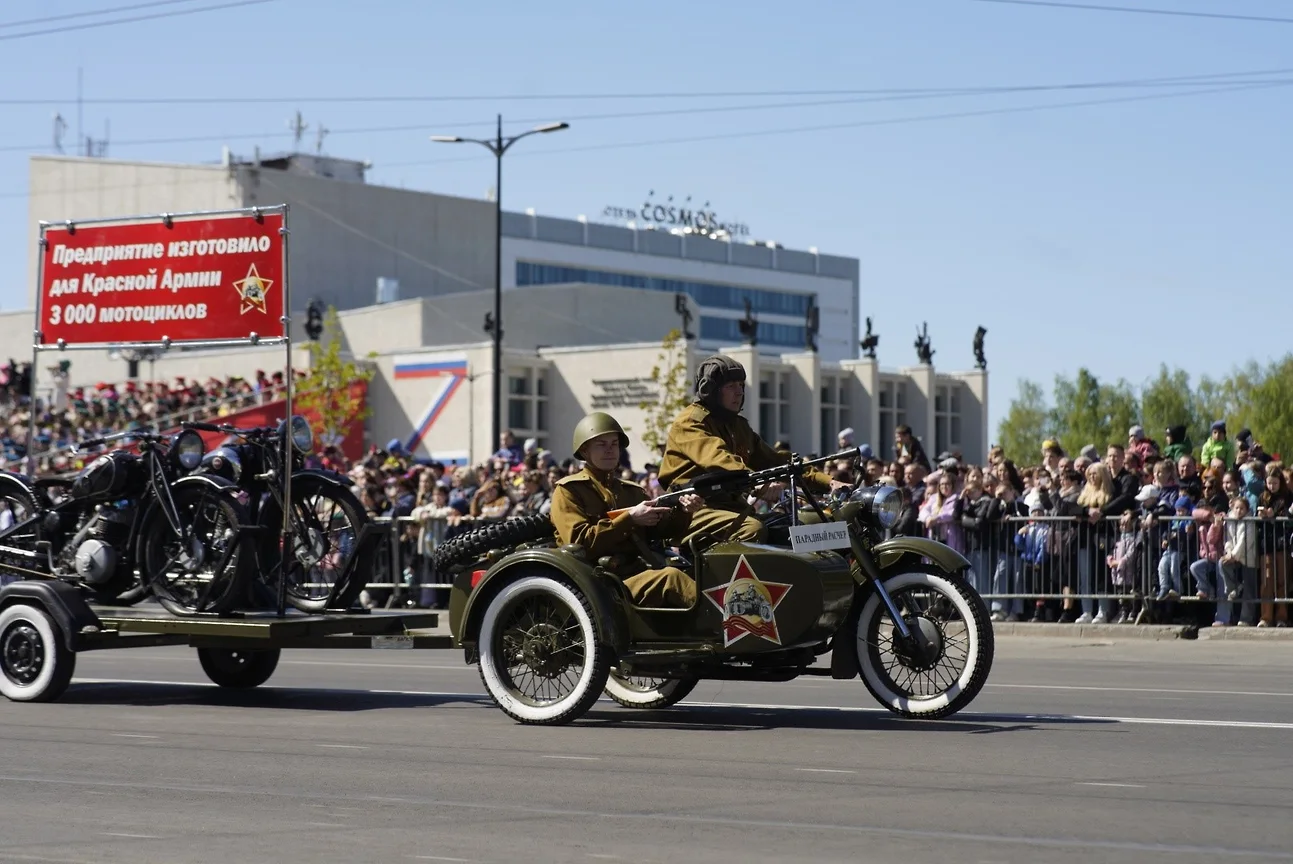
[670, 214]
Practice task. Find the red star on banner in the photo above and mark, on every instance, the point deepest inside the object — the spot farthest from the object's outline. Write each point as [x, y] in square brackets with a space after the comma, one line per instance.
[253, 291]
[749, 605]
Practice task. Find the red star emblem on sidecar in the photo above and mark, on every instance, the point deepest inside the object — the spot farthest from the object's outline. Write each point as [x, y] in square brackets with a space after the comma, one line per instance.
[749, 605]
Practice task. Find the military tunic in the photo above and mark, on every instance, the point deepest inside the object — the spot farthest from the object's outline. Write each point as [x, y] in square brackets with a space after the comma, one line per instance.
[580, 504]
[700, 441]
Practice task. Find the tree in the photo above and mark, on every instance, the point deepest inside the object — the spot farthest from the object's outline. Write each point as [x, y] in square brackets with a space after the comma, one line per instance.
[1087, 411]
[326, 390]
[1026, 425]
[671, 373]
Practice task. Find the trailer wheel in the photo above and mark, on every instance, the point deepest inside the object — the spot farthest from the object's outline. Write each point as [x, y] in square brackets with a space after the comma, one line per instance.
[35, 663]
[238, 668]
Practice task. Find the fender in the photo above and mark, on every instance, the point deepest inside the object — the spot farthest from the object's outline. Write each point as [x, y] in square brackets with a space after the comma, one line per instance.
[62, 601]
[9, 478]
[209, 481]
[890, 552]
[608, 615]
[333, 478]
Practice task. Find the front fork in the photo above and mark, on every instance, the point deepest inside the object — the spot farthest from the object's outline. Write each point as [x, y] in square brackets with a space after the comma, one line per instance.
[867, 562]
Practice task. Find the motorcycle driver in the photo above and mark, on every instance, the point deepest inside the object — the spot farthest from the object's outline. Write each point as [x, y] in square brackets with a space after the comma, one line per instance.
[581, 502]
[711, 435]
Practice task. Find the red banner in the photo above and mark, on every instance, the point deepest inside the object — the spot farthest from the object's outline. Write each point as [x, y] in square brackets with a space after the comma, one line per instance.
[208, 278]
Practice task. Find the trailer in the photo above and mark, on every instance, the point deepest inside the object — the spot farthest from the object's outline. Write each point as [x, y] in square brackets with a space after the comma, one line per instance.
[45, 624]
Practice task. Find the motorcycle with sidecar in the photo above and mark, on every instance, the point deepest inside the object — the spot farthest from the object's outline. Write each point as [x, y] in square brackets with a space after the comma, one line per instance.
[551, 630]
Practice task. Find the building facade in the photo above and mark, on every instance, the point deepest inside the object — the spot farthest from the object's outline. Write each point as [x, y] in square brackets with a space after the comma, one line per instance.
[586, 307]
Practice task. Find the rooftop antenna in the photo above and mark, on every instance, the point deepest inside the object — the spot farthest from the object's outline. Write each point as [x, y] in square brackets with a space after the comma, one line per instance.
[298, 126]
[318, 138]
[79, 137]
[60, 129]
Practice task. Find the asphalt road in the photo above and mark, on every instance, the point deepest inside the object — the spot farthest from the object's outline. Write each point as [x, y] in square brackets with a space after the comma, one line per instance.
[1133, 751]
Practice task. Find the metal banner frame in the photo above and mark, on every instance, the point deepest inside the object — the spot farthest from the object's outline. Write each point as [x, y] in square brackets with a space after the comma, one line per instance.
[165, 344]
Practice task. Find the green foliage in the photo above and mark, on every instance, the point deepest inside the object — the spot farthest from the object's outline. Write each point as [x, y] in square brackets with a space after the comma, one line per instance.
[1088, 411]
[672, 374]
[325, 391]
[1027, 425]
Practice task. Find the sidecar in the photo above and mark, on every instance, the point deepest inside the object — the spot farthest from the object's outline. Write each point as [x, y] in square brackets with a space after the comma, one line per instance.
[547, 621]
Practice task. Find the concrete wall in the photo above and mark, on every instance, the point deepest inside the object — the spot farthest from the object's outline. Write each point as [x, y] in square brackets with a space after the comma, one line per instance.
[346, 235]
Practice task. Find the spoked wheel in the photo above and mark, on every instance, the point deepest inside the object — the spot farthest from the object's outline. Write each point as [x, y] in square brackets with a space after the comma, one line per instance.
[946, 668]
[35, 665]
[17, 509]
[326, 521]
[637, 691]
[240, 669]
[539, 657]
[205, 569]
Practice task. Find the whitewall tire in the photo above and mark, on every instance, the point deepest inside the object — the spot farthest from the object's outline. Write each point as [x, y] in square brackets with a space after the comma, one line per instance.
[539, 656]
[35, 664]
[952, 688]
[639, 692]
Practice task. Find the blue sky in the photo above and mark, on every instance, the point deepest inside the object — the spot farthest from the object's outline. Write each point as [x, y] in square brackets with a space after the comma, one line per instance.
[1115, 236]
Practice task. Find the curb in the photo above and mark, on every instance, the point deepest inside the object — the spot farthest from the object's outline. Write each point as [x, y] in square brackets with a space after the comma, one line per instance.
[1153, 632]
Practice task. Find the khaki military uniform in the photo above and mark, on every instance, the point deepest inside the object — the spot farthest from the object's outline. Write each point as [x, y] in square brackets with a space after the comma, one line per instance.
[580, 504]
[701, 441]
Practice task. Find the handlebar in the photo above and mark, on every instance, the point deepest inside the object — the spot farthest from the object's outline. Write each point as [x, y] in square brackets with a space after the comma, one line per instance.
[139, 434]
[734, 481]
[247, 432]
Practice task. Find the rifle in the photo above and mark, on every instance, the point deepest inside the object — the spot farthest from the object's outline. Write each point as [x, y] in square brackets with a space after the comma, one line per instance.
[729, 481]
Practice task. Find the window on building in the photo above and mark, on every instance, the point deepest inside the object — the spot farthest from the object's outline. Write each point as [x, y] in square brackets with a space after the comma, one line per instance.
[527, 404]
[705, 293]
[947, 417]
[835, 411]
[729, 330]
[774, 405]
[892, 412]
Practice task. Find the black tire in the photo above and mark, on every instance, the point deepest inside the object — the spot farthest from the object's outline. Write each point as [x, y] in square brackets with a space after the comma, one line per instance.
[215, 517]
[955, 596]
[560, 637]
[13, 495]
[466, 548]
[35, 663]
[643, 692]
[238, 669]
[312, 592]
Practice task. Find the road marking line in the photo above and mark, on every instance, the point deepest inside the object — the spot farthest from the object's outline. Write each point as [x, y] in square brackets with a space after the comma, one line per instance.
[439, 858]
[131, 735]
[132, 836]
[579, 758]
[440, 668]
[481, 698]
[826, 771]
[342, 746]
[1119, 785]
[1078, 687]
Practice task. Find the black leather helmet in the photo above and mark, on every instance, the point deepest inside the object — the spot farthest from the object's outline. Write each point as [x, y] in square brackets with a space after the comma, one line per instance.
[712, 374]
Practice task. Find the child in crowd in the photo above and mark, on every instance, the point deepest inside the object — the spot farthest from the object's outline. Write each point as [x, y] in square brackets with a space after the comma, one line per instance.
[1239, 565]
[1125, 562]
[1206, 572]
[1175, 539]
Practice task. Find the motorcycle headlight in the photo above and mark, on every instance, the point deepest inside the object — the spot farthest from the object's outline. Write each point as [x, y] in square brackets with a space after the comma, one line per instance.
[188, 447]
[882, 502]
[302, 434]
[224, 462]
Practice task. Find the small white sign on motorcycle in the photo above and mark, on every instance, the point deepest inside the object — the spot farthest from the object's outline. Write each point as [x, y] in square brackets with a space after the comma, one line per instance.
[818, 538]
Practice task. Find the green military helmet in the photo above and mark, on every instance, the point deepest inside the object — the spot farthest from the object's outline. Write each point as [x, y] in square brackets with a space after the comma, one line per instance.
[595, 424]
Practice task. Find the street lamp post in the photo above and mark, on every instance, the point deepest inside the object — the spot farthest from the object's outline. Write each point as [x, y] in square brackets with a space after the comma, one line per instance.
[498, 146]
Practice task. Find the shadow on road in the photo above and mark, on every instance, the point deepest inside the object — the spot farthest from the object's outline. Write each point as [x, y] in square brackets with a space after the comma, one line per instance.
[605, 715]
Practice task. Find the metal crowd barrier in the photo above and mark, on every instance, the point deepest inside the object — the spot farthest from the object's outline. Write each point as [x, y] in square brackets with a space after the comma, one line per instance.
[1015, 563]
[1018, 561]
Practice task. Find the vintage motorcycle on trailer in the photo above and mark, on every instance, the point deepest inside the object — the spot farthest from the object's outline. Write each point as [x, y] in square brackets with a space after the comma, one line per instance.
[329, 565]
[130, 523]
[551, 629]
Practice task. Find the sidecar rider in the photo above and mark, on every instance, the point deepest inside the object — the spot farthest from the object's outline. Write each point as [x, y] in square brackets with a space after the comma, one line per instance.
[581, 502]
[711, 435]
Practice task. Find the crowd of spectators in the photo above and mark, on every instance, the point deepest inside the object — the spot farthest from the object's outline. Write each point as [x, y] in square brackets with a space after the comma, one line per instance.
[72, 414]
[1108, 536]
[1114, 535]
